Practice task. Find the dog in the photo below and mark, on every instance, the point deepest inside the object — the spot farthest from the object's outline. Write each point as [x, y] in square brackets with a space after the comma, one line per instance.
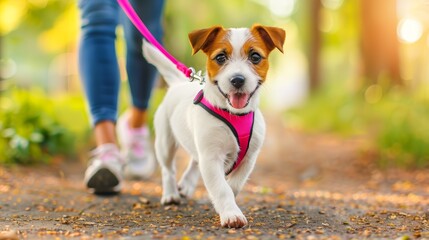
[218, 124]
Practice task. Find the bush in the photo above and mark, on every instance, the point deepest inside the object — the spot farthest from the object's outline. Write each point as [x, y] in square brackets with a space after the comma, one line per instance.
[395, 121]
[35, 127]
[403, 136]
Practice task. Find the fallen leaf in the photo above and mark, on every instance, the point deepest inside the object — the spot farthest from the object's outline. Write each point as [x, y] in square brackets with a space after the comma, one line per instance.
[144, 200]
[289, 225]
[9, 235]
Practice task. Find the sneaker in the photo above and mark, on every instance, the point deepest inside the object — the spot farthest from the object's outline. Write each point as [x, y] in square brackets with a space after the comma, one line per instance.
[136, 149]
[104, 171]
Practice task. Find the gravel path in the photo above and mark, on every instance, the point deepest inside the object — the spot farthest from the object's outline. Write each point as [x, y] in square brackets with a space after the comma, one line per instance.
[304, 187]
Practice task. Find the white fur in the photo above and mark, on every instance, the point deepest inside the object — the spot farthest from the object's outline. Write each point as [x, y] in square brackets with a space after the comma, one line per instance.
[167, 69]
[210, 143]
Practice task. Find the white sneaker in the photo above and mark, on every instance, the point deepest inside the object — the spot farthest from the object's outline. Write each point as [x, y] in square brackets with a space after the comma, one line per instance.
[104, 171]
[136, 149]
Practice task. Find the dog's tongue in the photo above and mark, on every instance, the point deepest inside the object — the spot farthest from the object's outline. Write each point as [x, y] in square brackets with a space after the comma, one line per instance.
[238, 100]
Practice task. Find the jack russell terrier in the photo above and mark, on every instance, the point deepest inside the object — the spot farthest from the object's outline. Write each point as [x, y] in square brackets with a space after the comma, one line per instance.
[218, 124]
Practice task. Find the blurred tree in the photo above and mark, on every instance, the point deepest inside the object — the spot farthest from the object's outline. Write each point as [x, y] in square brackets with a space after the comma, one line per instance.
[379, 41]
[315, 37]
[35, 32]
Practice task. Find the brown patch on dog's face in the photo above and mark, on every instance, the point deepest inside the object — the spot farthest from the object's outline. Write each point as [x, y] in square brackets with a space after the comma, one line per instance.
[221, 46]
[264, 40]
[212, 41]
[253, 48]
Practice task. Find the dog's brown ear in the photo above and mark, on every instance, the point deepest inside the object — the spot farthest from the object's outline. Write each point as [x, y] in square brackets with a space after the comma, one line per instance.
[273, 37]
[201, 39]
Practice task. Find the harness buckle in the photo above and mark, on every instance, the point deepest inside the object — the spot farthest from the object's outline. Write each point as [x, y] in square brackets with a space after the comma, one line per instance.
[196, 76]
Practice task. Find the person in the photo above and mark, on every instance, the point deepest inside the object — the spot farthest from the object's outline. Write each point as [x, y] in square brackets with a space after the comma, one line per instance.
[99, 72]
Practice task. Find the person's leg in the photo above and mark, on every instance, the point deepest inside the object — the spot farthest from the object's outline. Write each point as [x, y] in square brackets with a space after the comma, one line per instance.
[98, 64]
[132, 126]
[100, 76]
[141, 74]
[105, 132]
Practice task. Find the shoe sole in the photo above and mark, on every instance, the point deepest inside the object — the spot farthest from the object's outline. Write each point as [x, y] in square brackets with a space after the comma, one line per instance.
[103, 182]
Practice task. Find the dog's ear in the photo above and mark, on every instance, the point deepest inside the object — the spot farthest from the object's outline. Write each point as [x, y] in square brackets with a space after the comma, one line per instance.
[273, 37]
[201, 39]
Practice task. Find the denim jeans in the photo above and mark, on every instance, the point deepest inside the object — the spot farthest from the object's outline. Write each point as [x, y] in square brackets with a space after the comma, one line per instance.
[97, 54]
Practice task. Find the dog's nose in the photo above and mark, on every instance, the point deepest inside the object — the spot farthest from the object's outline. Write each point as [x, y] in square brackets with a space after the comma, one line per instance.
[237, 81]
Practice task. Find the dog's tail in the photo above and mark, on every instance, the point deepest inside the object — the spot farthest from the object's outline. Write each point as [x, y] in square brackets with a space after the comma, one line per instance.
[165, 67]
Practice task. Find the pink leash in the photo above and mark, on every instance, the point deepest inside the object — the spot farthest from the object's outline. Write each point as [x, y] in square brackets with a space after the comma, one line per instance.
[132, 15]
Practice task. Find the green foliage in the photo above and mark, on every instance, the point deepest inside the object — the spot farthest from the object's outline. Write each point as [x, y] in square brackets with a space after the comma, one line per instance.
[45, 29]
[403, 136]
[34, 127]
[329, 110]
[395, 123]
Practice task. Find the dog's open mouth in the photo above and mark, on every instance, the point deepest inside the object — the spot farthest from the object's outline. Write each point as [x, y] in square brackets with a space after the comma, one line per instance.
[238, 100]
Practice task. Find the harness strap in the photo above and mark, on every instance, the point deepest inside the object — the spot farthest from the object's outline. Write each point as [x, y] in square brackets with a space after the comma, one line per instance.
[240, 125]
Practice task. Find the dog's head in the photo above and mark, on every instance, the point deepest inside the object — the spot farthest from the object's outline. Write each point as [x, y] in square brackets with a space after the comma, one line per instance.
[237, 62]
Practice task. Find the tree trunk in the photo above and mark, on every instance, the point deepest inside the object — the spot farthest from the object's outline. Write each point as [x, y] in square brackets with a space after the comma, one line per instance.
[315, 36]
[379, 41]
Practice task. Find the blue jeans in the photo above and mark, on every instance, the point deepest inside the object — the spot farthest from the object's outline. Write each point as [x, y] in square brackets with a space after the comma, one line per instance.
[97, 54]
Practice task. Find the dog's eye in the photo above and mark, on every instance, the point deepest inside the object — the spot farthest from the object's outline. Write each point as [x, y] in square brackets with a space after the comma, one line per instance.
[255, 57]
[220, 58]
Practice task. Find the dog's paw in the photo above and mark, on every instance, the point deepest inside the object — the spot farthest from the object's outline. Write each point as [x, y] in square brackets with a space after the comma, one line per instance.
[170, 199]
[233, 220]
[186, 189]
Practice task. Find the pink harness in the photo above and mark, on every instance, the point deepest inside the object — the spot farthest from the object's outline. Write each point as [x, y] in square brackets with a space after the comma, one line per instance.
[241, 126]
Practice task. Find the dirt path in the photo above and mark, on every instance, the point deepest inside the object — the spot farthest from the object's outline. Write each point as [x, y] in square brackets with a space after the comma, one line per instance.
[304, 187]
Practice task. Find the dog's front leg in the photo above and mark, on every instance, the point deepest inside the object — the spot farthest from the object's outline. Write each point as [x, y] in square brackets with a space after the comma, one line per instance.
[238, 177]
[221, 194]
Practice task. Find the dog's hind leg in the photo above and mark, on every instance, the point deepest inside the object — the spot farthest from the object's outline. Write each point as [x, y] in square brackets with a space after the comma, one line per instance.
[165, 148]
[189, 179]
